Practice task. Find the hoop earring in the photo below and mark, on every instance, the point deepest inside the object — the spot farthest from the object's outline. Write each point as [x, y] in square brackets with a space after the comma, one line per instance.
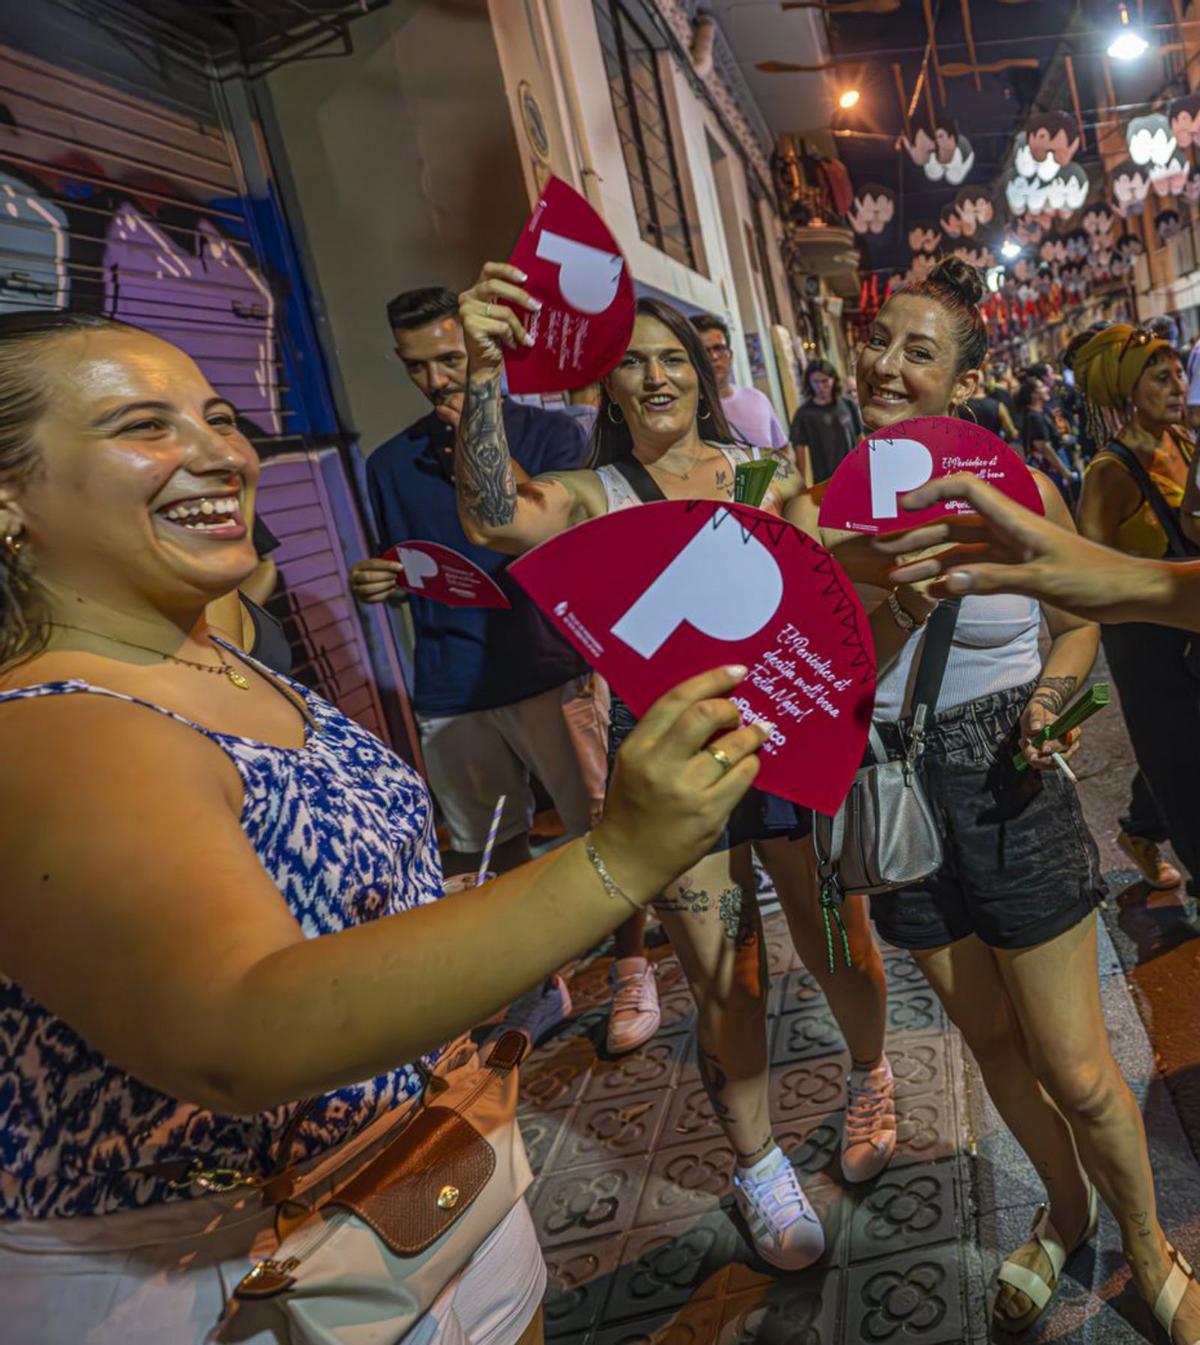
[967, 411]
[706, 414]
[619, 418]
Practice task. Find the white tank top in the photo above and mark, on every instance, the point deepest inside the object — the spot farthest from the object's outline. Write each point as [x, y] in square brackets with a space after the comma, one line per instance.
[619, 494]
[995, 647]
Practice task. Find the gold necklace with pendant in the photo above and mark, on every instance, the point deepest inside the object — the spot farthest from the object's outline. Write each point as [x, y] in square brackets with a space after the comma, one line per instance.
[686, 474]
[226, 669]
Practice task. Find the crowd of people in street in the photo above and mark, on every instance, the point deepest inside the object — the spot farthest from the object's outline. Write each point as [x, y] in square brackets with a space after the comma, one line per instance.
[241, 995]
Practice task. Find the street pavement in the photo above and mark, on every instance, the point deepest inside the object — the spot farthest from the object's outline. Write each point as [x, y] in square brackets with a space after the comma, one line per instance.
[633, 1202]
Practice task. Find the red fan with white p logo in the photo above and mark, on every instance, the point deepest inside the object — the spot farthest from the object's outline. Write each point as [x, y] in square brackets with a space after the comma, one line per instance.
[864, 494]
[653, 595]
[576, 269]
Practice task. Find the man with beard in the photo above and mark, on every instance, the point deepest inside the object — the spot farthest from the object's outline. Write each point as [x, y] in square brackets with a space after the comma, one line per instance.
[489, 687]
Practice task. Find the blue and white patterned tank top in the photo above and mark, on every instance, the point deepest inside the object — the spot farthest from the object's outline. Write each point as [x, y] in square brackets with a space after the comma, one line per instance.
[344, 828]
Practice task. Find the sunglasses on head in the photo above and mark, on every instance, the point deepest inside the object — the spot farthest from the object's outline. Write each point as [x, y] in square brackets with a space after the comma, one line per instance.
[1140, 336]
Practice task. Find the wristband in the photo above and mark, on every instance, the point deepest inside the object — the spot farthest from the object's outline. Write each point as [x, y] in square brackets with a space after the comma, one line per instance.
[611, 887]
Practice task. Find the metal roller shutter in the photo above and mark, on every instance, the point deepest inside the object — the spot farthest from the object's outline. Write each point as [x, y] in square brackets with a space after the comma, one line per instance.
[122, 191]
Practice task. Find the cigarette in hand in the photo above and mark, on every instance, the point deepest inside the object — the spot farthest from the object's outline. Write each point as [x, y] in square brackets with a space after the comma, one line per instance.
[1058, 760]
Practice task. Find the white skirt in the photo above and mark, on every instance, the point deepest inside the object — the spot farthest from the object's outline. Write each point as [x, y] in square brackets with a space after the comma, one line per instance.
[162, 1275]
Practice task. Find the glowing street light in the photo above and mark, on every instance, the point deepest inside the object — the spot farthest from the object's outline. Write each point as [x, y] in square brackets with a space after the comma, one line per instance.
[848, 99]
[1010, 249]
[1128, 44]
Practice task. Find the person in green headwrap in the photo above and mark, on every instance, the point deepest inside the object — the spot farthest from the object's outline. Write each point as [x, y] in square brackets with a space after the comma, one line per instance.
[1135, 392]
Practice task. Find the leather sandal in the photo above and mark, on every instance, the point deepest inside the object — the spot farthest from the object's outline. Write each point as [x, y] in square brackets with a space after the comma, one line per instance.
[1171, 1295]
[1029, 1282]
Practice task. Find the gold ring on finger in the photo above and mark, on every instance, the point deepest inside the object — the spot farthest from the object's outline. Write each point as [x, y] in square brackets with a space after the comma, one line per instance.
[489, 310]
[720, 758]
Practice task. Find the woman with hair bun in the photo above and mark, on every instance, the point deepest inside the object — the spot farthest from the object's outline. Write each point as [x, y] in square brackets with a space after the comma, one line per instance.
[1005, 930]
[1135, 397]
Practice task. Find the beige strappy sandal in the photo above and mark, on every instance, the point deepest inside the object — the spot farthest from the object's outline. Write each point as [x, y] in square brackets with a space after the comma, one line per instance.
[1170, 1296]
[1029, 1282]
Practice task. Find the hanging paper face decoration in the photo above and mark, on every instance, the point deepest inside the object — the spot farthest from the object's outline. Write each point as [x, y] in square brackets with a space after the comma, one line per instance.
[1131, 186]
[1170, 178]
[1029, 166]
[977, 254]
[1168, 224]
[1053, 249]
[974, 208]
[1053, 135]
[1129, 247]
[1043, 189]
[944, 156]
[1191, 189]
[1029, 231]
[951, 224]
[1077, 245]
[873, 210]
[1098, 224]
[922, 267]
[924, 237]
[1149, 139]
[1068, 191]
[1184, 115]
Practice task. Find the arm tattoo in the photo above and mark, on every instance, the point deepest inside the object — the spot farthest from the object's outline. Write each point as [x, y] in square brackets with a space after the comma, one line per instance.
[783, 464]
[483, 473]
[1054, 692]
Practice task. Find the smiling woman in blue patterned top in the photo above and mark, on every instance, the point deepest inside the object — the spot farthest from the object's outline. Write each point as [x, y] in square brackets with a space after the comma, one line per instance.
[220, 894]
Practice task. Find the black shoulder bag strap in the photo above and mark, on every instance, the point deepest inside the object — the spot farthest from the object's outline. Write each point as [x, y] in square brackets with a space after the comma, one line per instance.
[640, 481]
[935, 654]
[1177, 543]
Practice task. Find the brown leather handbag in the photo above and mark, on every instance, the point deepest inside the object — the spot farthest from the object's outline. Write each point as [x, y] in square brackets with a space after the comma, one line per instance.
[382, 1245]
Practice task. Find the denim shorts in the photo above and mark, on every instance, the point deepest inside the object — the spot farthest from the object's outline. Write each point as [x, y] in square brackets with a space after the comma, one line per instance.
[1020, 864]
[758, 817]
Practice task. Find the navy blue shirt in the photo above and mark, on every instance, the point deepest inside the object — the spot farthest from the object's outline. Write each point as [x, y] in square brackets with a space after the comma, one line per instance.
[470, 658]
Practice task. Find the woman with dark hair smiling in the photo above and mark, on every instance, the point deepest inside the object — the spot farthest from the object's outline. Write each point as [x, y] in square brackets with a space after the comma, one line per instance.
[222, 897]
[1005, 930]
[661, 435]
[826, 425]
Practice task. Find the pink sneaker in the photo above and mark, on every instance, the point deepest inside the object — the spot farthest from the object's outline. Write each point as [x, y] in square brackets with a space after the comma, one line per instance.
[869, 1135]
[635, 1014]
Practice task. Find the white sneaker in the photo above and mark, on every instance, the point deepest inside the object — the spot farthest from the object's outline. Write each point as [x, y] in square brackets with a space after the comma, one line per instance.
[635, 1013]
[869, 1135]
[784, 1226]
[540, 1011]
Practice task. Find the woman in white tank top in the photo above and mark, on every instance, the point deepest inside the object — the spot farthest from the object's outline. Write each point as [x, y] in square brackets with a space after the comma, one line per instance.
[1005, 931]
[661, 434]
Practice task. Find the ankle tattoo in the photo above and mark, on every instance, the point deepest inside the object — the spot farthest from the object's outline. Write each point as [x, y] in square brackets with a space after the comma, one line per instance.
[755, 1155]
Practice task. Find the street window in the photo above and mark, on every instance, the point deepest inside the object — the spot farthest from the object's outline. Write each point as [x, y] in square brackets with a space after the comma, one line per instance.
[631, 62]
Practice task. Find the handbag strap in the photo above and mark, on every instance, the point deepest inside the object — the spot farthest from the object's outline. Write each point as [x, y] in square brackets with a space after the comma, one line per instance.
[505, 1054]
[1177, 543]
[640, 481]
[931, 670]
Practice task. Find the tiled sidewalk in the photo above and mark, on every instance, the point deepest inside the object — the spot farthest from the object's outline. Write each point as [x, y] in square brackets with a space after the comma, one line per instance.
[633, 1202]
[634, 1207]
